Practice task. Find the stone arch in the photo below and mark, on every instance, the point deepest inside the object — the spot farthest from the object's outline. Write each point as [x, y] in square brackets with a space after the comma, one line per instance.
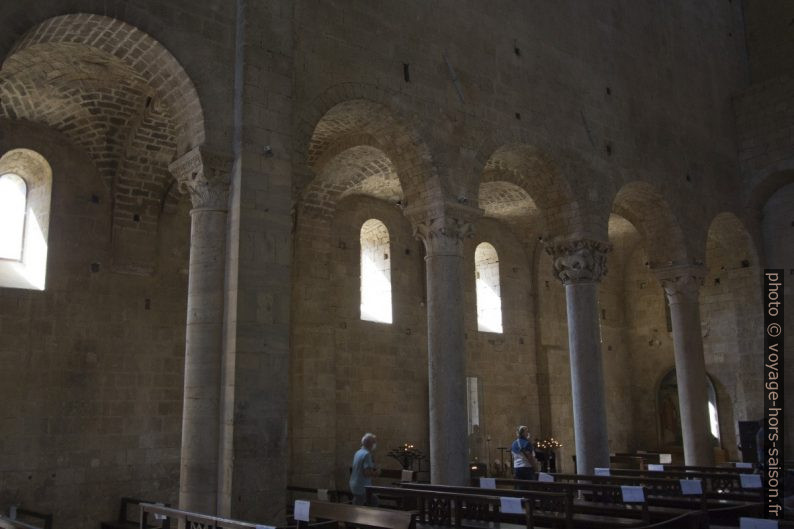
[354, 114]
[506, 201]
[668, 376]
[81, 33]
[361, 169]
[527, 168]
[728, 232]
[644, 206]
[120, 95]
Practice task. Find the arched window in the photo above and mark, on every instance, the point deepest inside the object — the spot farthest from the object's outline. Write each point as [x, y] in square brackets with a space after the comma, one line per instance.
[13, 203]
[375, 272]
[25, 194]
[669, 411]
[489, 298]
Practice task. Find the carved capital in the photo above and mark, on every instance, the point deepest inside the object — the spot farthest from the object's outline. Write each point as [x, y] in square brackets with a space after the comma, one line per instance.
[579, 260]
[681, 284]
[444, 235]
[205, 176]
[443, 227]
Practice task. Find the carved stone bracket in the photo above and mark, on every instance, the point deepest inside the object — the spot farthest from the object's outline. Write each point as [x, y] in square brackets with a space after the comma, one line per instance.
[681, 284]
[443, 227]
[205, 176]
[579, 260]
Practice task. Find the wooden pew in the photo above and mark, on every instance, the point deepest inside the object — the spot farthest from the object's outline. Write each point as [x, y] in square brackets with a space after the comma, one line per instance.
[125, 521]
[655, 486]
[623, 461]
[188, 519]
[31, 518]
[392, 474]
[667, 493]
[8, 523]
[708, 470]
[605, 492]
[718, 485]
[602, 507]
[453, 509]
[359, 516]
[329, 513]
[687, 519]
[311, 493]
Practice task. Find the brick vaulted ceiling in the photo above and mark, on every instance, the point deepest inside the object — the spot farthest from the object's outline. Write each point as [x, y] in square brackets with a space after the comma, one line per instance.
[115, 92]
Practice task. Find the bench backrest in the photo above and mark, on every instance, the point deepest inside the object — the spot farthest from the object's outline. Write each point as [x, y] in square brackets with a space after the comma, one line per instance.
[628, 461]
[124, 509]
[357, 515]
[712, 481]
[708, 470]
[658, 487]
[150, 510]
[450, 508]
[314, 494]
[8, 523]
[593, 493]
[596, 492]
[31, 518]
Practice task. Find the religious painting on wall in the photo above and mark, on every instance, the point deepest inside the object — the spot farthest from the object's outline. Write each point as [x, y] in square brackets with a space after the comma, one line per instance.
[669, 413]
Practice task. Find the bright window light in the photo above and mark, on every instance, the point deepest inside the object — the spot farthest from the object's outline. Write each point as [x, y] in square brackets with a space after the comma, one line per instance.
[13, 202]
[375, 272]
[714, 420]
[489, 299]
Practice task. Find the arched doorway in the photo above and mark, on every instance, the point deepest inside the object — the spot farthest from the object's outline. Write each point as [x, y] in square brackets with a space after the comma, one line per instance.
[669, 414]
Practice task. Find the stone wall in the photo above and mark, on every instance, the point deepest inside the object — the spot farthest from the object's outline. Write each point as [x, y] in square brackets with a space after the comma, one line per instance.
[91, 391]
[336, 112]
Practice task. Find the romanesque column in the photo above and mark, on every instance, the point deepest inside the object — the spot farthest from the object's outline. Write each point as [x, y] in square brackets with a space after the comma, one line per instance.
[579, 264]
[442, 231]
[681, 286]
[206, 178]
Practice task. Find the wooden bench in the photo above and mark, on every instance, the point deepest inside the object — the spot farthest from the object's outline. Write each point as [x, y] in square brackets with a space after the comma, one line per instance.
[708, 470]
[392, 474]
[602, 507]
[725, 485]
[27, 517]
[125, 520]
[187, 519]
[623, 461]
[667, 493]
[460, 510]
[311, 493]
[8, 523]
[656, 487]
[356, 515]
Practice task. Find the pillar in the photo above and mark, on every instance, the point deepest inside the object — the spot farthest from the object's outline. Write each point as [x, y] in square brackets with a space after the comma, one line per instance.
[580, 264]
[442, 229]
[205, 178]
[681, 286]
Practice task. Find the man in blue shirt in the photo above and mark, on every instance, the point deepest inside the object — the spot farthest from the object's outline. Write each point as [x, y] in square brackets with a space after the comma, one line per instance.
[522, 450]
[363, 470]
